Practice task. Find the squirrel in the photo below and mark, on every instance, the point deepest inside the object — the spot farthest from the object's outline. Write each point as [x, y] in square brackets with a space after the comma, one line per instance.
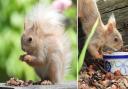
[46, 43]
[105, 35]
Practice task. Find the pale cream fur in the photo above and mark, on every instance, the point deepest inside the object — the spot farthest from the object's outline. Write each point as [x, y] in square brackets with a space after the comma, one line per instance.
[49, 49]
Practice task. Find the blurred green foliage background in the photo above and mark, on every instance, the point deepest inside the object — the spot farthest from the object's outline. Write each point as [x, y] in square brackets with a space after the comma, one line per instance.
[12, 14]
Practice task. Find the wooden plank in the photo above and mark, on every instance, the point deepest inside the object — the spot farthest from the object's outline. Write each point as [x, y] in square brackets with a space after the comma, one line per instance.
[67, 85]
[121, 16]
[110, 5]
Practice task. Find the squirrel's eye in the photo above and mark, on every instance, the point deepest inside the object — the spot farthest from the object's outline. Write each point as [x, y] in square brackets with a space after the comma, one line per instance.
[30, 39]
[116, 39]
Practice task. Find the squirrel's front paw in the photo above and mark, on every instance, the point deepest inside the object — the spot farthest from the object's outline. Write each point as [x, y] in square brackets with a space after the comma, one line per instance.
[98, 56]
[26, 58]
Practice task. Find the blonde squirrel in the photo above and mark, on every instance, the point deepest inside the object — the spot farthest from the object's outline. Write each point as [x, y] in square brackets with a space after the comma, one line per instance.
[46, 43]
[105, 35]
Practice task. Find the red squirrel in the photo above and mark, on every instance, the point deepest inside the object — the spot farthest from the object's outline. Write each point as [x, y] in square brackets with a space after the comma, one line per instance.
[46, 44]
[105, 35]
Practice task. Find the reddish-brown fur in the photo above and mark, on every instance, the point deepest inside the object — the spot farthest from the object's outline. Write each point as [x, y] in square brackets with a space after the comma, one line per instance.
[105, 35]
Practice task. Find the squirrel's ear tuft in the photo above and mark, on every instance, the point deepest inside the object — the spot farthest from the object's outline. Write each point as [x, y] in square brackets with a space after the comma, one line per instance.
[111, 23]
[112, 20]
[27, 24]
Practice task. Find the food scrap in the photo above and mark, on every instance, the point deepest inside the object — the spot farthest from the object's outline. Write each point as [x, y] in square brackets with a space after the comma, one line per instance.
[17, 82]
[96, 79]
